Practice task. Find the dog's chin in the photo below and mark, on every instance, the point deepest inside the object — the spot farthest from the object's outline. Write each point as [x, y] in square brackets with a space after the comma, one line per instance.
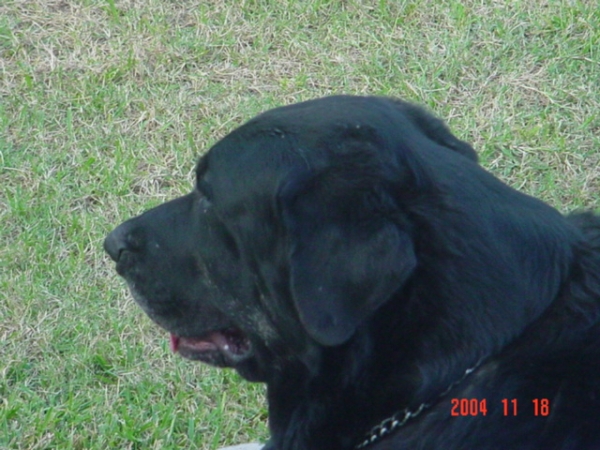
[228, 347]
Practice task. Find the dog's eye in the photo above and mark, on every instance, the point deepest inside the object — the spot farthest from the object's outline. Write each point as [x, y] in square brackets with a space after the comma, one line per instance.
[203, 203]
[204, 188]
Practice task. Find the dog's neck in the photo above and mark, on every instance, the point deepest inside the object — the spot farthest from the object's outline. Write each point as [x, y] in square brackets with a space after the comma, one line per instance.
[295, 422]
[399, 419]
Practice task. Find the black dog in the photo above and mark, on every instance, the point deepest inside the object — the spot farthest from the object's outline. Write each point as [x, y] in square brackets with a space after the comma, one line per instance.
[352, 254]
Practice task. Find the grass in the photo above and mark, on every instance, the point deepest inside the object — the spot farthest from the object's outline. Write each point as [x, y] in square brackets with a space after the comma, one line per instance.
[105, 105]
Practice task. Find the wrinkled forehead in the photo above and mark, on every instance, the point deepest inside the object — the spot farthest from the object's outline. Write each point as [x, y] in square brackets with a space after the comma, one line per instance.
[256, 158]
[243, 166]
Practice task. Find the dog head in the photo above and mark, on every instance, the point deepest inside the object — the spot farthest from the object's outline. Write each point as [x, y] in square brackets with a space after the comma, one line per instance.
[335, 220]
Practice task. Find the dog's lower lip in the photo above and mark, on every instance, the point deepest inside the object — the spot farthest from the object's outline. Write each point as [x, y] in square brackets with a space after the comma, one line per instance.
[231, 344]
[174, 343]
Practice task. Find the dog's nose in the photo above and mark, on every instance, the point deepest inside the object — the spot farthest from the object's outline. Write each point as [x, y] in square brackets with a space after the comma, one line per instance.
[126, 237]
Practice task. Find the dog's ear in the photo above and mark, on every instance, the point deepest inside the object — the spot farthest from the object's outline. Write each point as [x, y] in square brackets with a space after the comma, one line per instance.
[347, 254]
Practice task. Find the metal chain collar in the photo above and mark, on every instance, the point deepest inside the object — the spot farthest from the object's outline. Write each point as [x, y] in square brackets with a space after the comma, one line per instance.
[400, 418]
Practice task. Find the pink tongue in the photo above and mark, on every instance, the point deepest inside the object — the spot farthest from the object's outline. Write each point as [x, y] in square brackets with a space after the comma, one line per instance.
[174, 343]
[210, 342]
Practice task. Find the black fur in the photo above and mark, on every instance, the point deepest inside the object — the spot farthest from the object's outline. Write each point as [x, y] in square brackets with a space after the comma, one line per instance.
[358, 260]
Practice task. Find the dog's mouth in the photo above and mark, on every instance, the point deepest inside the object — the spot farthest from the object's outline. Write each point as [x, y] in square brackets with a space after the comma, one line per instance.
[224, 348]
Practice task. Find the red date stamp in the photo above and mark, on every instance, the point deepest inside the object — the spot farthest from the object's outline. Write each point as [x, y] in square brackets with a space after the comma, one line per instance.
[463, 407]
[468, 407]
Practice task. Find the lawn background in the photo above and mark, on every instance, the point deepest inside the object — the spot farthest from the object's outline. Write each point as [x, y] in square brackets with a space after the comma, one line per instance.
[106, 104]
